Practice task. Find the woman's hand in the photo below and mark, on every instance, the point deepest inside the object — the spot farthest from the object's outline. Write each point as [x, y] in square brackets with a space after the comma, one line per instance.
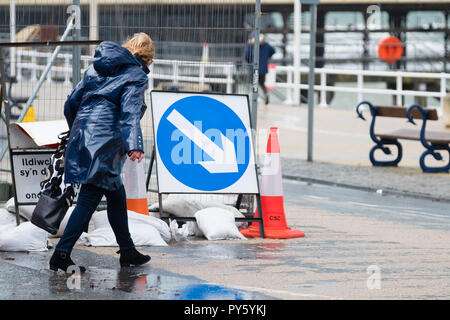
[136, 154]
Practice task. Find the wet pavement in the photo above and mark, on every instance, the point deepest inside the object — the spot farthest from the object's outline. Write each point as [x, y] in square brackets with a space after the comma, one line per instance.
[26, 276]
[349, 234]
[341, 146]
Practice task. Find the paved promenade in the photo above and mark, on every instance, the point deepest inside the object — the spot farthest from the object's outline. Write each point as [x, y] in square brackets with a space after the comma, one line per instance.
[341, 151]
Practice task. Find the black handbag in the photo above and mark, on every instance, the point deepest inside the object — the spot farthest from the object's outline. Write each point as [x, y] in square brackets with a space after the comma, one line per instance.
[55, 196]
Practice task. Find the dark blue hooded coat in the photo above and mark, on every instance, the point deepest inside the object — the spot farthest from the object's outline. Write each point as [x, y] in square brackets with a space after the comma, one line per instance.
[266, 51]
[103, 113]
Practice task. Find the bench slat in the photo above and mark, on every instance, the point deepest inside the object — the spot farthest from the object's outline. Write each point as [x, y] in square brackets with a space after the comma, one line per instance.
[400, 112]
[412, 134]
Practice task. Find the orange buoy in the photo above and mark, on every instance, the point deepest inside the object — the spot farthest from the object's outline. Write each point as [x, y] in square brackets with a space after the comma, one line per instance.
[390, 49]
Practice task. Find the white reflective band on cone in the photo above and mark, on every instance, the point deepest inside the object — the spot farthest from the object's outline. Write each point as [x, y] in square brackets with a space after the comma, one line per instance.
[135, 187]
[134, 179]
[271, 181]
[271, 77]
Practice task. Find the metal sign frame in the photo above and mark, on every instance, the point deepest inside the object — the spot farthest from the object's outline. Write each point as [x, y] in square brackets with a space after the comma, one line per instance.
[5, 102]
[5, 114]
[257, 195]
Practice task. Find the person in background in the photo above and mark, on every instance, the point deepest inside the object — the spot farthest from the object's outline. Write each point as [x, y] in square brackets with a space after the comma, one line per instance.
[103, 113]
[266, 51]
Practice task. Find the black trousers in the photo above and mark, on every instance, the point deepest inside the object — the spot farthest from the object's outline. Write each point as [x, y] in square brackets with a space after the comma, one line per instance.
[261, 81]
[88, 200]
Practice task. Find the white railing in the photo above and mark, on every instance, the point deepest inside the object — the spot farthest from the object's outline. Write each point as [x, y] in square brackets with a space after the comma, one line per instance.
[201, 73]
[27, 60]
[33, 62]
[360, 89]
[218, 72]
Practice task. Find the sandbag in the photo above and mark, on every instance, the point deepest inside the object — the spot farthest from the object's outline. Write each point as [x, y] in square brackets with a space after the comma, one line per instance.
[217, 223]
[186, 205]
[160, 225]
[178, 234]
[142, 235]
[25, 211]
[192, 229]
[100, 220]
[7, 220]
[178, 207]
[189, 228]
[6, 217]
[4, 227]
[205, 198]
[63, 224]
[25, 237]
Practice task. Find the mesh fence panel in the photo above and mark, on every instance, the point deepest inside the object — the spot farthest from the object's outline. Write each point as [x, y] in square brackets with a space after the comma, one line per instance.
[199, 46]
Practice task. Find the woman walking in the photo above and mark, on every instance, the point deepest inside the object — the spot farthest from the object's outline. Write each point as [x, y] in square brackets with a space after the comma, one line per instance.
[103, 113]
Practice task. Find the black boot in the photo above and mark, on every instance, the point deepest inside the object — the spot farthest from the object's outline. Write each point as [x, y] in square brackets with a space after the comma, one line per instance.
[131, 256]
[61, 260]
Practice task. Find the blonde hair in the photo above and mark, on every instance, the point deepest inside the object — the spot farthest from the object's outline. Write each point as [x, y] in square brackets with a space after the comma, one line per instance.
[141, 45]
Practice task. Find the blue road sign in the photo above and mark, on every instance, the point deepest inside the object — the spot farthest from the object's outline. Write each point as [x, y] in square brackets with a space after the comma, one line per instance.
[203, 143]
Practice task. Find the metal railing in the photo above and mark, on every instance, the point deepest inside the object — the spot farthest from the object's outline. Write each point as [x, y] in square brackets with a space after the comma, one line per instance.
[199, 72]
[287, 72]
[29, 65]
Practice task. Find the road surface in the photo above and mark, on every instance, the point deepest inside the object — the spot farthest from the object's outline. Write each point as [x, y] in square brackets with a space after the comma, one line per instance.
[358, 245]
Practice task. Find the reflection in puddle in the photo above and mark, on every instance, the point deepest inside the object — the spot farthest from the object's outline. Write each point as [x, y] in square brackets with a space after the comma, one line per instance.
[130, 281]
[133, 283]
[272, 250]
[210, 292]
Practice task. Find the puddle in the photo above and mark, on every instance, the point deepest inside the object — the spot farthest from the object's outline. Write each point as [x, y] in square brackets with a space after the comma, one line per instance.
[25, 276]
[229, 250]
[134, 284]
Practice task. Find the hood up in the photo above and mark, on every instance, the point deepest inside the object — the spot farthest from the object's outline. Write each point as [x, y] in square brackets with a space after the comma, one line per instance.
[110, 58]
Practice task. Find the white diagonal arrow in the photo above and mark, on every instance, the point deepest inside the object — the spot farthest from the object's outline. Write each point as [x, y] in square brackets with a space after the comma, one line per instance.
[224, 160]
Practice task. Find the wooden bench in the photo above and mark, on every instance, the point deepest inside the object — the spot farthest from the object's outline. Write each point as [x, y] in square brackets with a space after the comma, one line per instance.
[433, 141]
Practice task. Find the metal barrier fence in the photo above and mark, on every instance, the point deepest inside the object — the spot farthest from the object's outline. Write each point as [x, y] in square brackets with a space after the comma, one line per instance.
[293, 89]
[31, 63]
[209, 73]
[179, 30]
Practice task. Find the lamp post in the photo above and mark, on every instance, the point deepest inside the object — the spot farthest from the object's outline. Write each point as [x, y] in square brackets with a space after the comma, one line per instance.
[311, 76]
[76, 50]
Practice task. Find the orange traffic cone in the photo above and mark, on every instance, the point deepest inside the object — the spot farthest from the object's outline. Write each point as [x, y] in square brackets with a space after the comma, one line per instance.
[135, 188]
[271, 190]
